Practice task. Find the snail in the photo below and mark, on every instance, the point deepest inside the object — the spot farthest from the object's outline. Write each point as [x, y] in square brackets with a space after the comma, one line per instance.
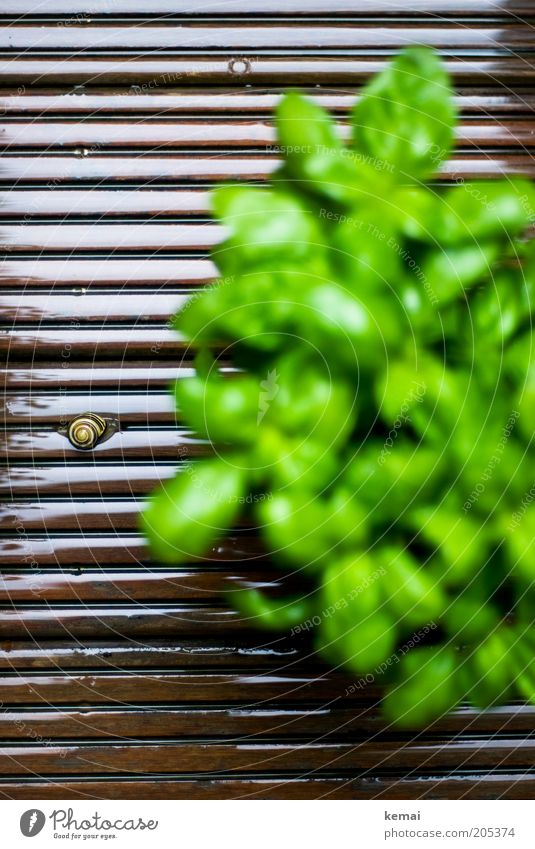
[85, 431]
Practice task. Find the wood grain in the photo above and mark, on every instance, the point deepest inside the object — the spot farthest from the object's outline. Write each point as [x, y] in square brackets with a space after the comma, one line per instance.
[158, 135]
[239, 36]
[253, 690]
[255, 651]
[514, 785]
[232, 71]
[208, 758]
[313, 723]
[126, 587]
[176, 168]
[267, 7]
[145, 272]
[116, 101]
[25, 549]
[22, 445]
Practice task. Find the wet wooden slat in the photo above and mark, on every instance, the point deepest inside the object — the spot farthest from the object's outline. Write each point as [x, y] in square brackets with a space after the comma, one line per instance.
[168, 722]
[144, 134]
[262, 70]
[145, 272]
[316, 723]
[137, 101]
[98, 514]
[175, 688]
[181, 168]
[240, 36]
[173, 167]
[475, 786]
[49, 445]
[117, 307]
[253, 651]
[35, 551]
[112, 203]
[266, 7]
[94, 376]
[132, 622]
[154, 135]
[130, 725]
[123, 586]
[187, 758]
[84, 480]
[58, 409]
[60, 345]
[109, 237]
[282, 788]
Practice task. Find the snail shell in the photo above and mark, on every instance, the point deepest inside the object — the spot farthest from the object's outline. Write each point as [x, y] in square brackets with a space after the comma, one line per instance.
[85, 431]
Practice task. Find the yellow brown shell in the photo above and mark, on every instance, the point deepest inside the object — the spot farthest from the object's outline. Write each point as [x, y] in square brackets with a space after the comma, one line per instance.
[85, 431]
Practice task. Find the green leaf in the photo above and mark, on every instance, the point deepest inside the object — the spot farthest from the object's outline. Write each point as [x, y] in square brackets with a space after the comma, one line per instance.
[190, 512]
[304, 128]
[220, 409]
[317, 159]
[427, 687]
[406, 115]
[486, 209]
[448, 273]
[268, 228]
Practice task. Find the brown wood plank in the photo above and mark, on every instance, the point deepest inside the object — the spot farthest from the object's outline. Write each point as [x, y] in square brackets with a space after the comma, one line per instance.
[49, 445]
[61, 345]
[93, 376]
[255, 650]
[33, 551]
[157, 136]
[210, 758]
[104, 271]
[153, 136]
[46, 516]
[253, 690]
[282, 788]
[267, 7]
[132, 724]
[133, 622]
[475, 786]
[58, 409]
[151, 103]
[241, 36]
[183, 168]
[87, 307]
[143, 133]
[110, 237]
[143, 585]
[315, 723]
[98, 514]
[151, 167]
[258, 70]
[118, 203]
[83, 480]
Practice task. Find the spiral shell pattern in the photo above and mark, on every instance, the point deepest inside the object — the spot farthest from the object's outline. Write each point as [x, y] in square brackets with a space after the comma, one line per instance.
[85, 431]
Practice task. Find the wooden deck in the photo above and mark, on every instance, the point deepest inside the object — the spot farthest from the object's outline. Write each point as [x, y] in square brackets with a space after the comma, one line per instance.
[121, 678]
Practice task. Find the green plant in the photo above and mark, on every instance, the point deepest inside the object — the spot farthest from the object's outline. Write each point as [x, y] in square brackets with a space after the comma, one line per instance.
[377, 425]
